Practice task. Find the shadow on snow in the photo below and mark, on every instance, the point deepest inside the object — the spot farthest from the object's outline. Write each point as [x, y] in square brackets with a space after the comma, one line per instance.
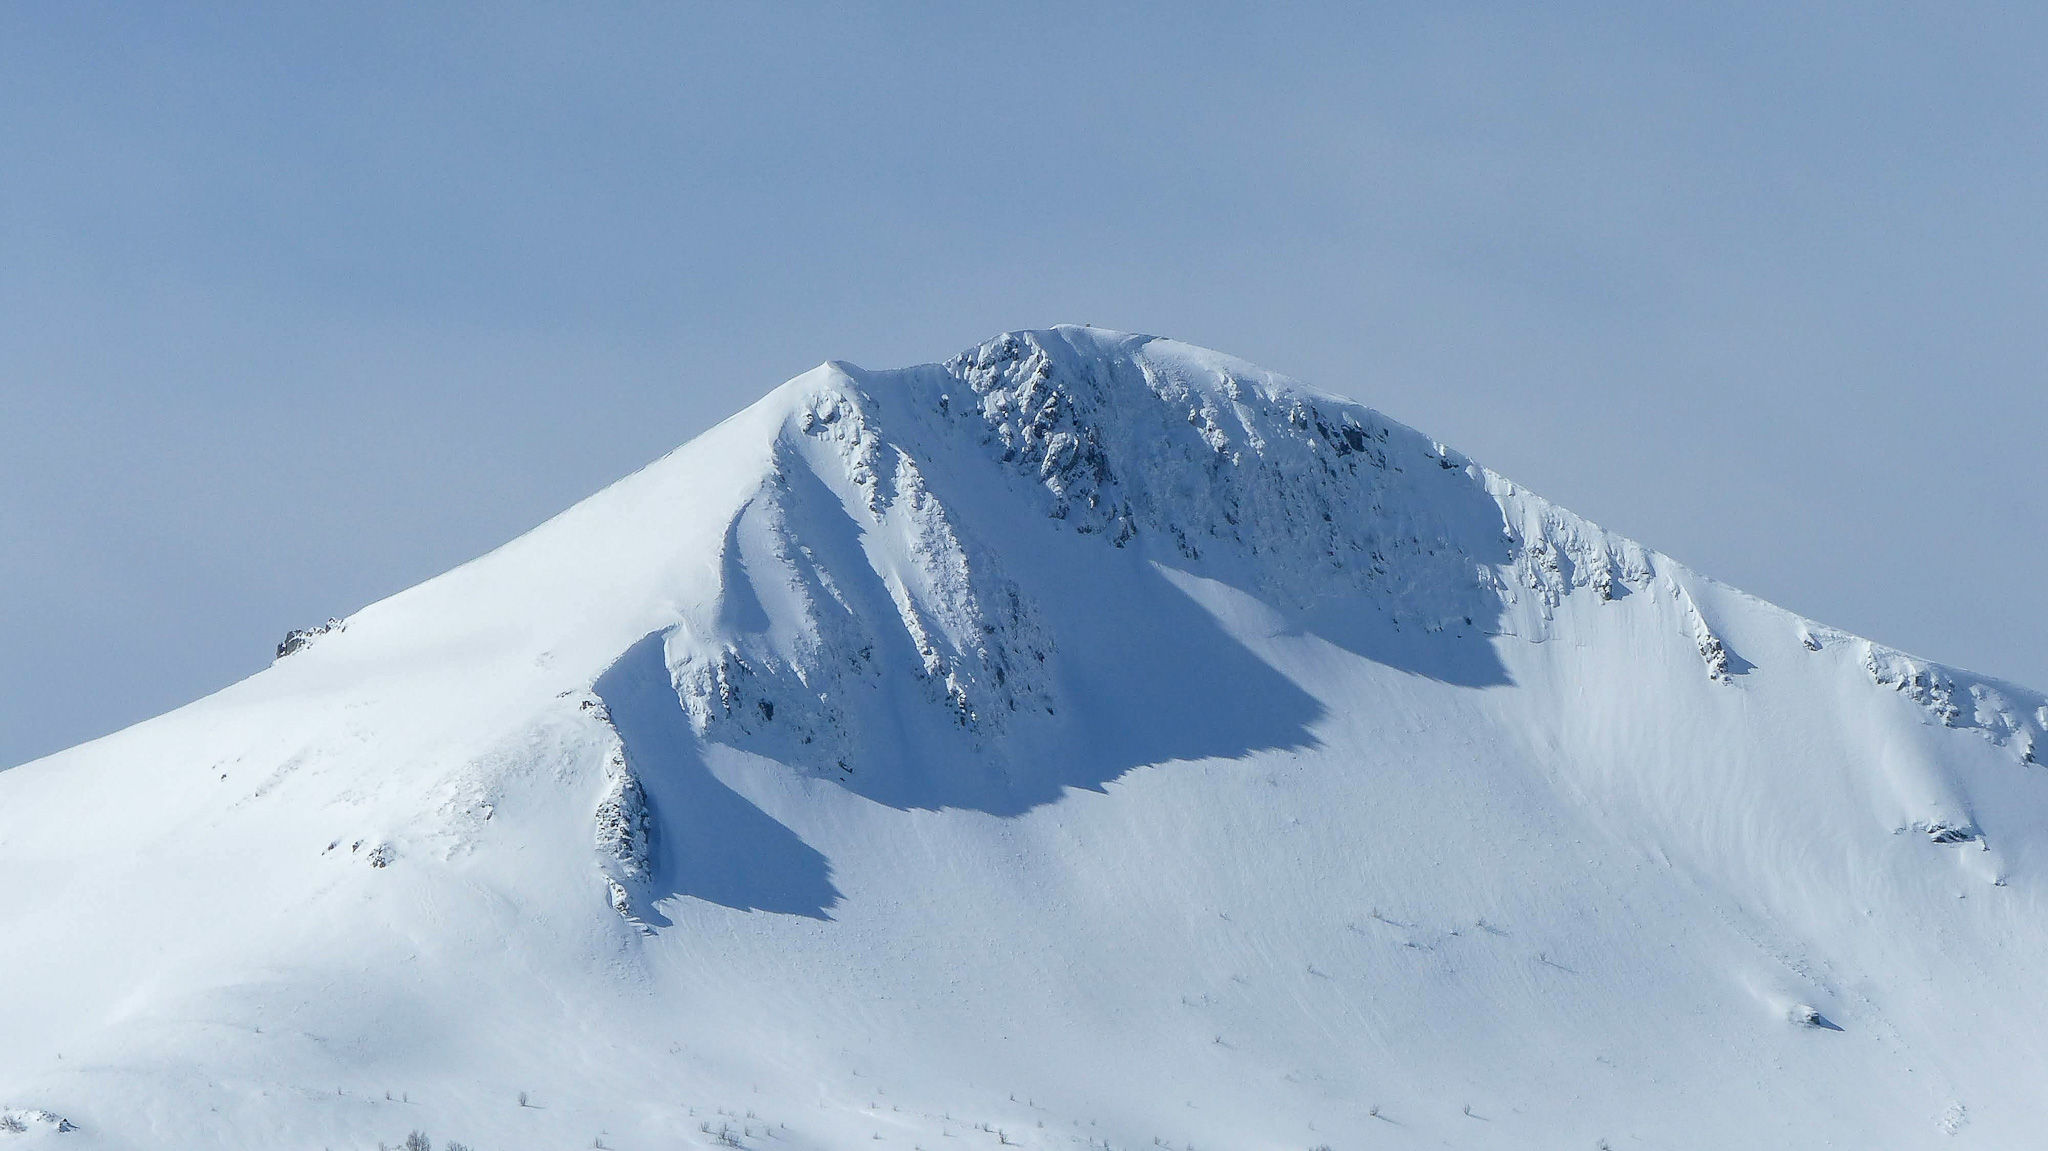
[1144, 675]
[710, 841]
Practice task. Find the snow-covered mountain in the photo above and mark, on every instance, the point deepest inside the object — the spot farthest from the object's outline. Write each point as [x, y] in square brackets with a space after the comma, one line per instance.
[1091, 741]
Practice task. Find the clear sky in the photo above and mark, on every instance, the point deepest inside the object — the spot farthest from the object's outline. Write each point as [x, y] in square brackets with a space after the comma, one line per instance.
[301, 305]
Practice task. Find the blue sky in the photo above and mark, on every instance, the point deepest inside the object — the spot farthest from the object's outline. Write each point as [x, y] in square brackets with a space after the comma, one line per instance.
[302, 305]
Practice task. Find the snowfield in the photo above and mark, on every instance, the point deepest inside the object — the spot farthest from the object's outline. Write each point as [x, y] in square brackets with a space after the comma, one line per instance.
[1089, 742]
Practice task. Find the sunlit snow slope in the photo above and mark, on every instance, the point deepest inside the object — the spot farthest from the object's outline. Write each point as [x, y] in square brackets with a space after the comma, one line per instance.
[1091, 741]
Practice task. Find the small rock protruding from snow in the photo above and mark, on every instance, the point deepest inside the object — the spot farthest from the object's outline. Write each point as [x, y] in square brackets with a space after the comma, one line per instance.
[21, 1121]
[1806, 1016]
[1713, 653]
[1949, 832]
[299, 638]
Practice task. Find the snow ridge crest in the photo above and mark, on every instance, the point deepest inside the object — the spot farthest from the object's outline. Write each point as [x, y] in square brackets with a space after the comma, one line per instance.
[866, 581]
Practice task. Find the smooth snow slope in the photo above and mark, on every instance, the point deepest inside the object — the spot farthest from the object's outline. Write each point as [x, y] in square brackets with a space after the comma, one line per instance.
[1092, 741]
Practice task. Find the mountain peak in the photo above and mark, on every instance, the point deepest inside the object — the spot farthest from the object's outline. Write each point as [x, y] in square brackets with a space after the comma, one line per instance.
[1089, 737]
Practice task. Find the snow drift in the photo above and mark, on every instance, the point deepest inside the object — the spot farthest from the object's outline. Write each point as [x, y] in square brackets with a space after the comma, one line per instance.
[1090, 741]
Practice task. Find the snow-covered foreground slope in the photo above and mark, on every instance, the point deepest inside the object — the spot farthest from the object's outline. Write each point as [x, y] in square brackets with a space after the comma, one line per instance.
[1092, 741]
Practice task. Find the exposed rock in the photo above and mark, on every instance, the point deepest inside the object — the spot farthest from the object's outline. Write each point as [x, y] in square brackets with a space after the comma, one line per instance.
[22, 1121]
[1944, 831]
[302, 637]
[2004, 714]
[623, 825]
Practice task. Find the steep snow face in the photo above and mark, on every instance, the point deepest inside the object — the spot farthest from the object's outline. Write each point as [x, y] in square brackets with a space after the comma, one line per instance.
[847, 570]
[1090, 740]
[866, 619]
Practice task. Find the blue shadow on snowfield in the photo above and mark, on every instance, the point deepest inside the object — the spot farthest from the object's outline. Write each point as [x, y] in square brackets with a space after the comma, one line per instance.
[710, 842]
[1143, 675]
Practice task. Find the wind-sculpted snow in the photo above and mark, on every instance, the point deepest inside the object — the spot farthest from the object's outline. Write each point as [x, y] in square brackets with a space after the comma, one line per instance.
[1088, 741]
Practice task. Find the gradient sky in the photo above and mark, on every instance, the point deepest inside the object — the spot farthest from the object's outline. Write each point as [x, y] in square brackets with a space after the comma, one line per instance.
[301, 305]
